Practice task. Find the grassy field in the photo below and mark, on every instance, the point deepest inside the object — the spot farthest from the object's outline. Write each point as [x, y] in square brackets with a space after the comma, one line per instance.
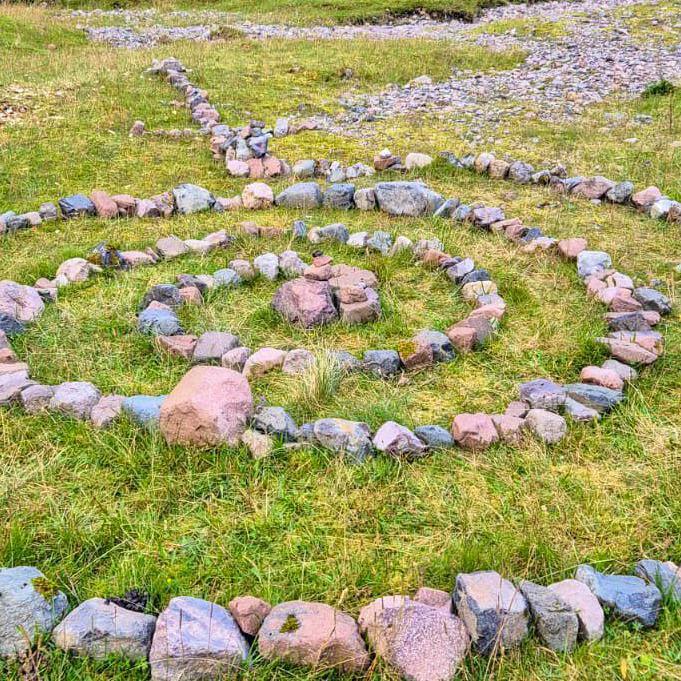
[101, 512]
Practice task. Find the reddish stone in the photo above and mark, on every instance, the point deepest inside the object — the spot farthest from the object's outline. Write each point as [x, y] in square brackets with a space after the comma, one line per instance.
[105, 205]
[209, 406]
[462, 337]
[646, 197]
[305, 302]
[191, 295]
[256, 169]
[599, 376]
[272, 166]
[249, 613]
[474, 431]
[509, 428]
[629, 353]
[593, 188]
[179, 346]
[571, 248]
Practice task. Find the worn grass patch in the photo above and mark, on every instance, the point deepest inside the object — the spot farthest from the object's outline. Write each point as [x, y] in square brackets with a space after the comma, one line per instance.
[101, 512]
[524, 28]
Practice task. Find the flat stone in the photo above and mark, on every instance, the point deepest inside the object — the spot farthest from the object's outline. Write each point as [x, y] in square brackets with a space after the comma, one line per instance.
[414, 161]
[171, 247]
[77, 205]
[12, 385]
[542, 393]
[159, 322]
[177, 346]
[336, 231]
[97, 628]
[406, 198]
[493, 610]
[653, 300]
[106, 411]
[369, 615]
[75, 399]
[236, 358]
[312, 635]
[585, 605]
[627, 597]
[509, 428]
[625, 372]
[473, 290]
[554, 619]
[474, 431]
[600, 376]
[580, 412]
[594, 396]
[350, 438]
[275, 421]
[434, 437]
[339, 196]
[592, 262]
[209, 406]
[571, 248]
[593, 188]
[249, 613]
[397, 440]
[257, 196]
[546, 425]
[435, 598]
[212, 345]
[29, 606]
[258, 444]
[262, 361]
[304, 196]
[646, 197]
[196, 640]
[629, 353]
[360, 312]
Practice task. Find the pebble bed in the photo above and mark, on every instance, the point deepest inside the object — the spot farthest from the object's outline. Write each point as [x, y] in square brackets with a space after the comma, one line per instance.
[560, 76]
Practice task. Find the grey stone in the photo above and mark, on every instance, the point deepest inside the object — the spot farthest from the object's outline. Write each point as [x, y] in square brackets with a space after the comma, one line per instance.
[358, 240]
[29, 606]
[298, 361]
[304, 168]
[621, 192]
[580, 412]
[546, 425]
[167, 294]
[459, 270]
[382, 363]
[159, 322]
[520, 172]
[171, 247]
[291, 265]
[397, 440]
[594, 396]
[493, 610]
[628, 321]
[591, 262]
[336, 231]
[36, 398]
[434, 437]
[447, 209]
[299, 229]
[660, 209]
[190, 198]
[423, 245]
[48, 211]
[267, 265]
[344, 360]
[98, 628]
[462, 213]
[76, 206]
[275, 421]
[624, 371]
[76, 399]
[485, 216]
[662, 576]
[304, 195]
[236, 359]
[351, 438]
[653, 300]
[475, 275]
[627, 597]
[226, 278]
[339, 196]
[437, 343]
[554, 619]
[145, 410]
[17, 222]
[212, 345]
[407, 198]
[23, 303]
[380, 241]
[585, 605]
[365, 199]
[196, 640]
[11, 386]
[10, 325]
[542, 394]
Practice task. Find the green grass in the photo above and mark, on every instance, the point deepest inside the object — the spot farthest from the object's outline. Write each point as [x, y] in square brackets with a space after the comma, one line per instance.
[528, 28]
[101, 512]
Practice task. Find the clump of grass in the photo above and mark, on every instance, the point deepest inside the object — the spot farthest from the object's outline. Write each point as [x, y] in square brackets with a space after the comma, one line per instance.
[45, 587]
[290, 624]
[526, 28]
[660, 88]
[320, 383]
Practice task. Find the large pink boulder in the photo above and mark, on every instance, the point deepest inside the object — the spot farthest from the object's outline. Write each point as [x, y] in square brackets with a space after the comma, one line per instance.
[305, 302]
[209, 406]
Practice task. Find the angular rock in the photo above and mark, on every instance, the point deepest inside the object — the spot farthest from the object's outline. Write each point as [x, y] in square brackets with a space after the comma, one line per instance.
[30, 605]
[509, 428]
[629, 353]
[339, 196]
[305, 302]
[275, 421]
[592, 262]
[406, 198]
[662, 575]
[20, 303]
[99, 628]
[555, 620]
[105, 206]
[571, 248]
[190, 198]
[546, 425]
[493, 610]
[434, 437]
[435, 598]
[365, 199]
[585, 605]
[397, 440]
[653, 300]
[106, 411]
[542, 394]
[259, 444]
[262, 361]
[158, 322]
[336, 231]
[305, 195]
[196, 640]
[36, 398]
[76, 206]
[171, 247]
[235, 359]
[177, 346]
[257, 196]
[594, 396]
[627, 597]
[474, 431]
[298, 361]
[382, 363]
[249, 613]
[209, 406]
[580, 412]
[621, 192]
[351, 438]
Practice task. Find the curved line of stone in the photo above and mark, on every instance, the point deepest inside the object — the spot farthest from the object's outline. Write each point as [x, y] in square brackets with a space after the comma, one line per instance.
[426, 636]
[633, 312]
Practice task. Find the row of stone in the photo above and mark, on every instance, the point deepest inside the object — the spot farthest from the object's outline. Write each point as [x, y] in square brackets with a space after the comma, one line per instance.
[650, 201]
[426, 637]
